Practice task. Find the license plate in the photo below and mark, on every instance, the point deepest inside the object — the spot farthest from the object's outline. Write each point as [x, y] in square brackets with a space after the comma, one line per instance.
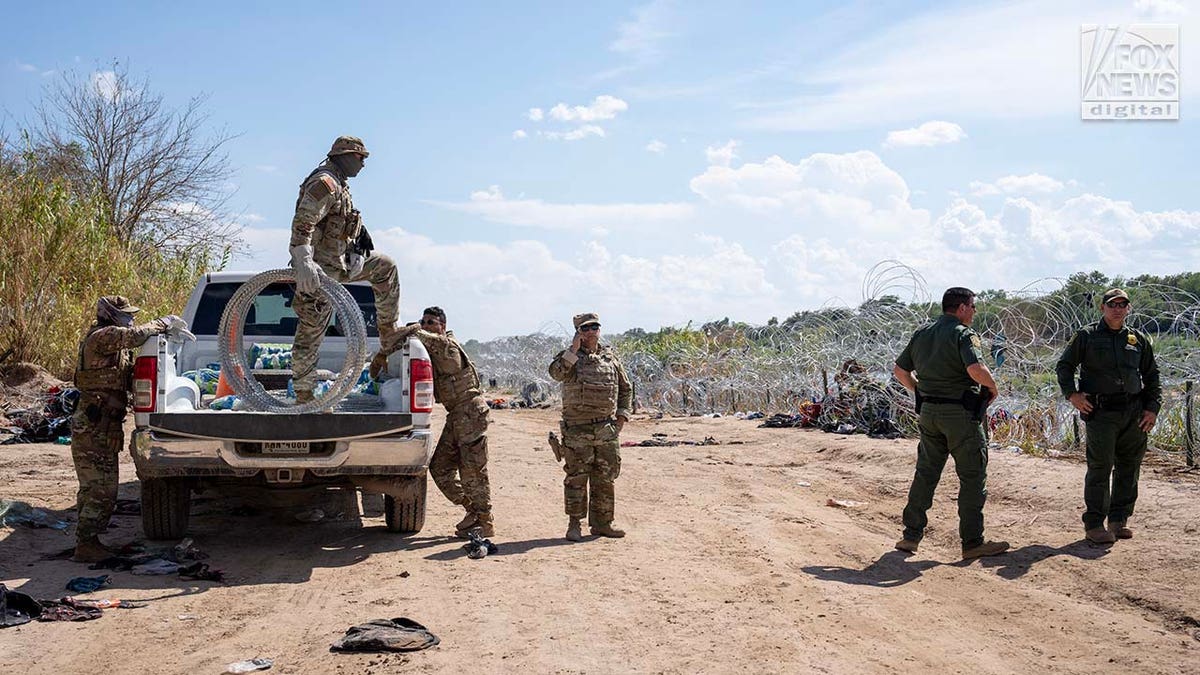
[285, 448]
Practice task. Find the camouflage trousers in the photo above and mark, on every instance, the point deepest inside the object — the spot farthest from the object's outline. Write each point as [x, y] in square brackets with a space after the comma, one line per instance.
[593, 456]
[462, 450]
[314, 311]
[96, 441]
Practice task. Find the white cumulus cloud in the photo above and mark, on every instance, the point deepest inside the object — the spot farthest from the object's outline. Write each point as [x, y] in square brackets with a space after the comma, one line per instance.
[722, 155]
[656, 146]
[575, 134]
[519, 134]
[604, 107]
[1029, 184]
[935, 132]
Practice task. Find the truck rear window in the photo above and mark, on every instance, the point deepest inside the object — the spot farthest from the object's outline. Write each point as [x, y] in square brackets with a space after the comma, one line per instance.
[272, 313]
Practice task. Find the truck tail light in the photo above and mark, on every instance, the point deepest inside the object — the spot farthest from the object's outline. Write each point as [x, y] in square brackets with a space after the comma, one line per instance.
[145, 382]
[420, 374]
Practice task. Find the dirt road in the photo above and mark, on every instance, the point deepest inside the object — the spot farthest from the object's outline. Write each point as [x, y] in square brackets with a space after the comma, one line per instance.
[733, 563]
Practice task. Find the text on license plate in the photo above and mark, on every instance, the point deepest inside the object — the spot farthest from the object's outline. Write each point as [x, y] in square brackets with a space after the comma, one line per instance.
[285, 447]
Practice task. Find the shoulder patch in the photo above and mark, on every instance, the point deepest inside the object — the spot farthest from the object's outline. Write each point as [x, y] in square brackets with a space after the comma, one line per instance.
[322, 187]
[976, 342]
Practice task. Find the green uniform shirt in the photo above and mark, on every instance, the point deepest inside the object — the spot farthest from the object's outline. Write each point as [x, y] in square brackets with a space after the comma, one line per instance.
[940, 353]
[1111, 362]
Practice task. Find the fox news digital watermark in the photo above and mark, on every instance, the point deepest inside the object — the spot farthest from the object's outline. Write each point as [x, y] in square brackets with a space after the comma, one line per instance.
[1130, 72]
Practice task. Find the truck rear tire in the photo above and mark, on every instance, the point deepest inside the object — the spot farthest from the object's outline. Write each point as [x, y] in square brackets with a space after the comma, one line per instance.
[406, 514]
[166, 505]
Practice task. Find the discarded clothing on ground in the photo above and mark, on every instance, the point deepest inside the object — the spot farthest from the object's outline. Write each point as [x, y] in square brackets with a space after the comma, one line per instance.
[479, 547]
[47, 424]
[87, 584]
[156, 566]
[884, 428]
[127, 507]
[63, 610]
[661, 441]
[16, 608]
[199, 571]
[13, 513]
[784, 420]
[386, 635]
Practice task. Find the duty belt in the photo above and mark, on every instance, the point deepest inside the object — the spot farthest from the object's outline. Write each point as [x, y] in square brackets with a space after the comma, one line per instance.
[1115, 401]
[598, 420]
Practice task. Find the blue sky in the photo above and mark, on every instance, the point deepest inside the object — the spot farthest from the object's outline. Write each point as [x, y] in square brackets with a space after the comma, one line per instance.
[690, 160]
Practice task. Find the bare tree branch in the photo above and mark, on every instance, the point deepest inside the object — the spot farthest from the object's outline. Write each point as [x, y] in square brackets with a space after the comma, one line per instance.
[162, 178]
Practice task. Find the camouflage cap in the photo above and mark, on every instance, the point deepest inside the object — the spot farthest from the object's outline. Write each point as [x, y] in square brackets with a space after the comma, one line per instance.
[585, 318]
[1114, 294]
[345, 145]
[119, 303]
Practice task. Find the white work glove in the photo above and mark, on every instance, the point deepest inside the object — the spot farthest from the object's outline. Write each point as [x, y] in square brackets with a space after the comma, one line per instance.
[354, 264]
[308, 273]
[177, 328]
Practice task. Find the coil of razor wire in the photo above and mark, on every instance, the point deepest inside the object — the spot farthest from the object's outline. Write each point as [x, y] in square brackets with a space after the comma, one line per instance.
[237, 370]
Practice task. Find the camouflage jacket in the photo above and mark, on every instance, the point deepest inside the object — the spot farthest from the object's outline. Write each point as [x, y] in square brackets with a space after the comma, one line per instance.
[454, 377]
[105, 366]
[595, 385]
[326, 218]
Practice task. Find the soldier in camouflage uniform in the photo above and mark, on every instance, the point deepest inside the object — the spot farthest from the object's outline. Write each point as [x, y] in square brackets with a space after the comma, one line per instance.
[597, 398]
[947, 356]
[1118, 397]
[103, 377]
[328, 237]
[462, 447]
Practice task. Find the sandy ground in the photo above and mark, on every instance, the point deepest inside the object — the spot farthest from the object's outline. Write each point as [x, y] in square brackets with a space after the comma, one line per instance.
[733, 563]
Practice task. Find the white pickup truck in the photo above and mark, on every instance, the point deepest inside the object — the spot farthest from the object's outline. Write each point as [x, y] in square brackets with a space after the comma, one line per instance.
[179, 445]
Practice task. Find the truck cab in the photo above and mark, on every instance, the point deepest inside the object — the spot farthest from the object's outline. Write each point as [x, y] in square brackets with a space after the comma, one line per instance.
[372, 443]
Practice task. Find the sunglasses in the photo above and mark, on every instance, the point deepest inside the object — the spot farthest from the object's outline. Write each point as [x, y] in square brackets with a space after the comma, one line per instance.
[589, 328]
[429, 322]
[1117, 303]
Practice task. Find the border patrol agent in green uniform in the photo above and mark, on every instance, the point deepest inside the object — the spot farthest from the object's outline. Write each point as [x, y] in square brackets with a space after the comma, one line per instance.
[1118, 397]
[948, 358]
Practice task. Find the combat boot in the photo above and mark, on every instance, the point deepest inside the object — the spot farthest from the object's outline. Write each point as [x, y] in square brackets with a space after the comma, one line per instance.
[1118, 529]
[985, 549]
[90, 551]
[303, 396]
[486, 526]
[907, 545]
[1099, 535]
[574, 533]
[387, 333]
[607, 531]
[464, 526]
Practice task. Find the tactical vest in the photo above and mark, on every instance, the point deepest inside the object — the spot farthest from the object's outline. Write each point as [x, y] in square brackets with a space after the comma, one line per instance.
[340, 226]
[103, 379]
[592, 394]
[454, 377]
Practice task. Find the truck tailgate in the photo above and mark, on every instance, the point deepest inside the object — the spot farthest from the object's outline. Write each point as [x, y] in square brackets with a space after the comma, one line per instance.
[262, 426]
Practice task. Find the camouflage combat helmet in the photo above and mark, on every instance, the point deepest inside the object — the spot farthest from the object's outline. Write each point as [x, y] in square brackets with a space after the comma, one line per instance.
[345, 145]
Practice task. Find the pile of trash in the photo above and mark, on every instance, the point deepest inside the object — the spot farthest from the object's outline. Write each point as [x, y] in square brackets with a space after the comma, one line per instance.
[50, 422]
[13, 513]
[185, 559]
[17, 608]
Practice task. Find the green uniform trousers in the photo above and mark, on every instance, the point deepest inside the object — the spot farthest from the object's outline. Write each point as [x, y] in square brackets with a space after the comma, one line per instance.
[593, 456]
[96, 448]
[947, 430]
[462, 451]
[1115, 447]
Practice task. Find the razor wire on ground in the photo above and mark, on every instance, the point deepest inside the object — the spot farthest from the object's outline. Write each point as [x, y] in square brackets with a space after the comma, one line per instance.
[836, 362]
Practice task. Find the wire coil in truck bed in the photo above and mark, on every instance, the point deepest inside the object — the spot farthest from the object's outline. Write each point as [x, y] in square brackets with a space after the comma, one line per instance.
[231, 342]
